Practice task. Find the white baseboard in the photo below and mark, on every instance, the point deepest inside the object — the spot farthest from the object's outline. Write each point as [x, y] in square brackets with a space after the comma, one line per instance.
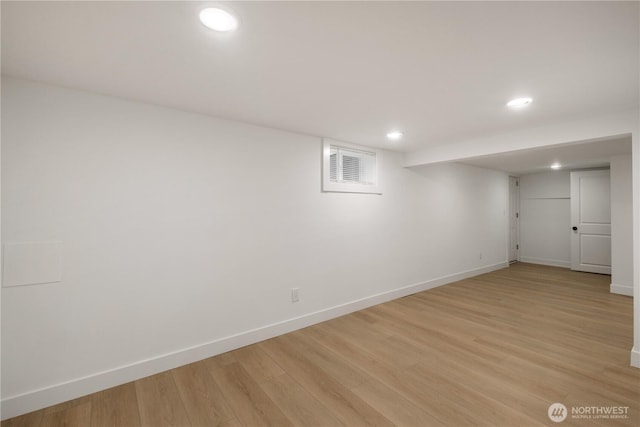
[546, 261]
[635, 357]
[37, 399]
[621, 289]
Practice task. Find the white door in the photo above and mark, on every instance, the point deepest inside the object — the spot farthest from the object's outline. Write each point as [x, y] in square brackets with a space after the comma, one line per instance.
[591, 221]
[514, 203]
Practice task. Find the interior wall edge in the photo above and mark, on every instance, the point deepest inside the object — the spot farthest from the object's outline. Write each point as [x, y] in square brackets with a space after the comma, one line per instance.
[635, 357]
[621, 289]
[635, 171]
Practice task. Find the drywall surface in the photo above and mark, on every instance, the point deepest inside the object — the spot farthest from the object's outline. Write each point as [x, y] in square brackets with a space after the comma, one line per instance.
[179, 231]
[579, 130]
[621, 225]
[545, 216]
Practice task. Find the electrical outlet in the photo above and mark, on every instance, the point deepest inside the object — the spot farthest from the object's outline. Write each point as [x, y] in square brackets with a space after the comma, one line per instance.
[295, 297]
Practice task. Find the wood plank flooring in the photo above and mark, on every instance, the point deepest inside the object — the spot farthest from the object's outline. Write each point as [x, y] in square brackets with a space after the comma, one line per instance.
[494, 350]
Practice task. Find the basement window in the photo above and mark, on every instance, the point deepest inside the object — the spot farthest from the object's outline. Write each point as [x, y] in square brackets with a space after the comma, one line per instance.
[349, 168]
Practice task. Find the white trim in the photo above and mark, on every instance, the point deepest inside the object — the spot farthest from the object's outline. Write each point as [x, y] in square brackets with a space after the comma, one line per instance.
[635, 357]
[621, 289]
[546, 261]
[21, 404]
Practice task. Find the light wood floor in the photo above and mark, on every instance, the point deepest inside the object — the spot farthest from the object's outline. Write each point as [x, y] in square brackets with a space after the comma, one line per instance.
[493, 350]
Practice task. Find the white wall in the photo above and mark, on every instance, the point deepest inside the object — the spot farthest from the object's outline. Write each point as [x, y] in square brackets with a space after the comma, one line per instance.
[545, 236]
[585, 129]
[183, 235]
[621, 225]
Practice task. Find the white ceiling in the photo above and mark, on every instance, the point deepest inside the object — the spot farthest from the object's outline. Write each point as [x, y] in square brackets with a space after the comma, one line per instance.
[590, 154]
[439, 71]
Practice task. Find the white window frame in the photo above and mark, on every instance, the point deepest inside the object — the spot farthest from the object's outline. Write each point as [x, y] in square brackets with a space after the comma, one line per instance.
[343, 187]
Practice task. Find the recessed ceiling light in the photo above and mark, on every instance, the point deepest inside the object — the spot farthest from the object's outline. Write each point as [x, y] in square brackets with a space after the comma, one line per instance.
[556, 166]
[218, 19]
[519, 102]
[394, 135]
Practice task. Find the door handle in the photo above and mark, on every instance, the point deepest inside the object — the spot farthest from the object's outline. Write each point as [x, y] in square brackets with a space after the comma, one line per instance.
[574, 228]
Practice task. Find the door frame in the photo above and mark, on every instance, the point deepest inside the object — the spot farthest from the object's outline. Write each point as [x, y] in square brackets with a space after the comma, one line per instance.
[513, 218]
